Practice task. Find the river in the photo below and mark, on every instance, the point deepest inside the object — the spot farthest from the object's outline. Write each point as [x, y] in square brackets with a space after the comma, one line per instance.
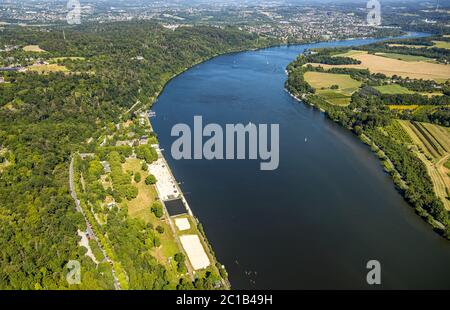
[316, 221]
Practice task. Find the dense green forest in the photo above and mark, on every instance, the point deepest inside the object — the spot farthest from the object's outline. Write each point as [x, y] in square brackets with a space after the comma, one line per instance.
[368, 112]
[44, 118]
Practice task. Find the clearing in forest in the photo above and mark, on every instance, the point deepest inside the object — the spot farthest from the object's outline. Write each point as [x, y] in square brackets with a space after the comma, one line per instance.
[47, 68]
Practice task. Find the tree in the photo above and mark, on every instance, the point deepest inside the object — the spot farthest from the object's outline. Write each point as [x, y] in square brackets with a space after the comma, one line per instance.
[144, 166]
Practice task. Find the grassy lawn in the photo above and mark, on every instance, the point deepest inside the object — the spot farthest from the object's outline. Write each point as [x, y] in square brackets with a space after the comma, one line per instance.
[441, 44]
[323, 82]
[33, 48]
[406, 57]
[48, 68]
[393, 89]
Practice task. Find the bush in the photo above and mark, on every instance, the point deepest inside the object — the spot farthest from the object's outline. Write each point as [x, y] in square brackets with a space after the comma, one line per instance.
[137, 177]
[156, 242]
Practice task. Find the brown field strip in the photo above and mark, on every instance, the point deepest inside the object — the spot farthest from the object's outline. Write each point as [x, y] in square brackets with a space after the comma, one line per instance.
[439, 177]
[441, 134]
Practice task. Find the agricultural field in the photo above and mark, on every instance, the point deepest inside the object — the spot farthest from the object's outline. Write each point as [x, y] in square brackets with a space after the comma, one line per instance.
[3, 158]
[393, 89]
[33, 48]
[406, 57]
[140, 207]
[323, 83]
[432, 144]
[389, 67]
[438, 44]
[396, 131]
[408, 45]
[56, 59]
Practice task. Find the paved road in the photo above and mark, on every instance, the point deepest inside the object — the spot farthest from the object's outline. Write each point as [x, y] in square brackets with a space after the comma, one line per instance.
[88, 224]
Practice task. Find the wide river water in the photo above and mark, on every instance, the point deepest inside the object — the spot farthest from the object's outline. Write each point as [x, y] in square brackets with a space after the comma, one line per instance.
[319, 218]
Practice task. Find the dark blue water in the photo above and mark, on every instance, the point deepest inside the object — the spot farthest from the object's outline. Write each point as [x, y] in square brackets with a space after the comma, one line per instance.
[322, 215]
